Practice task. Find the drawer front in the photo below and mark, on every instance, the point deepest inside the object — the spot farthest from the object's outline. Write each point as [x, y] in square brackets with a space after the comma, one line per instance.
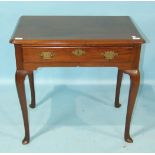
[83, 54]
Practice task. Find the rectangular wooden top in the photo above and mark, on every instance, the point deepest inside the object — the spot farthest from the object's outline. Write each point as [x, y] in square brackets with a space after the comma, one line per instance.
[69, 29]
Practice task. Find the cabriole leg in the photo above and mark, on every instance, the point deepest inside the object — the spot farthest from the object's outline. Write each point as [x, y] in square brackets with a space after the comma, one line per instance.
[20, 78]
[134, 85]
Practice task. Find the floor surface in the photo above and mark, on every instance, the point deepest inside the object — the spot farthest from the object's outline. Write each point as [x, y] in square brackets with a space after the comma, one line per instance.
[77, 118]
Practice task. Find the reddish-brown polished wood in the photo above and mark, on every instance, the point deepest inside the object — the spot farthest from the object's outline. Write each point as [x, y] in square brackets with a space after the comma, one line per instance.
[119, 81]
[64, 54]
[31, 81]
[75, 29]
[135, 80]
[20, 77]
[60, 36]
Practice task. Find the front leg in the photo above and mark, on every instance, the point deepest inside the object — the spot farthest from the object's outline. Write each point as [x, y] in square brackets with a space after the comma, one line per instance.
[31, 81]
[134, 85]
[20, 78]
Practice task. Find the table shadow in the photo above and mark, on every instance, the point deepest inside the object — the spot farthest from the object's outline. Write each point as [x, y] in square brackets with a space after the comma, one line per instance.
[59, 117]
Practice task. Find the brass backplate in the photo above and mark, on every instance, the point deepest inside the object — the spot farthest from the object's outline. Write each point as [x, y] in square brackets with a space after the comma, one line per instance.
[47, 55]
[78, 52]
[109, 55]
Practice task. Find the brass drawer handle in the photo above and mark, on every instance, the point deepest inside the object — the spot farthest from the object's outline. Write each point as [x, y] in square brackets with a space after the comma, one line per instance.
[47, 55]
[78, 52]
[109, 55]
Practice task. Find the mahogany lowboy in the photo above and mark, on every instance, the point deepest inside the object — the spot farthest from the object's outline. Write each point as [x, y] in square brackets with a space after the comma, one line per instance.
[53, 41]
